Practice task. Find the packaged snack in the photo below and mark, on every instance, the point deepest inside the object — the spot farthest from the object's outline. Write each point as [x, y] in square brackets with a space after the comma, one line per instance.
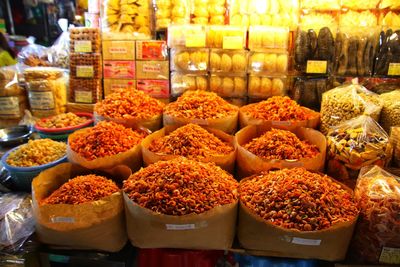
[358, 19]
[395, 140]
[113, 85]
[127, 18]
[186, 36]
[228, 61]
[151, 50]
[119, 69]
[360, 4]
[261, 37]
[171, 12]
[154, 88]
[229, 85]
[195, 60]
[268, 63]
[377, 232]
[156, 70]
[392, 4]
[387, 57]
[354, 144]
[390, 114]
[321, 5]
[86, 66]
[118, 50]
[88, 91]
[263, 87]
[391, 19]
[181, 82]
[226, 37]
[34, 55]
[208, 12]
[85, 40]
[59, 51]
[308, 91]
[346, 102]
[47, 91]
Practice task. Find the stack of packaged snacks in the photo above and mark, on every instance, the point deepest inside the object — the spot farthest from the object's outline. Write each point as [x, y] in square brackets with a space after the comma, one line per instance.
[119, 65]
[85, 84]
[228, 61]
[189, 58]
[268, 61]
[152, 68]
[47, 91]
[171, 12]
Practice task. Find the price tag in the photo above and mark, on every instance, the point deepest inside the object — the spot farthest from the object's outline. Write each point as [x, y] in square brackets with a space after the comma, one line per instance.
[232, 42]
[390, 255]
[41, 100]
[317, 66]
[83, 46]
[83, 97]
[62, 220]
[84, 71]
[178, 227]
[394, 69]
[196, 40]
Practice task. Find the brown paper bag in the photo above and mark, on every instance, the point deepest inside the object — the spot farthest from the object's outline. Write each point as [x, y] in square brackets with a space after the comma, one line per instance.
[226, 162]
[98, 225]
[131, 158]
[153, 124]
[227, 124]
[245, 120]
[213, 229]
[265, 239]
[249, 164]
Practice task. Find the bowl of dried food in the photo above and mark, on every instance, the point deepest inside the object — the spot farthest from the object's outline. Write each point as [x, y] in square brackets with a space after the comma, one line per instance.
[58, 127]
[26, 161]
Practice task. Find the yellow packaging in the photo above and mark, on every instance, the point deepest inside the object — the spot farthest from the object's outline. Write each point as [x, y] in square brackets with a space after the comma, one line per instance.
[119, 50]
[152, 70]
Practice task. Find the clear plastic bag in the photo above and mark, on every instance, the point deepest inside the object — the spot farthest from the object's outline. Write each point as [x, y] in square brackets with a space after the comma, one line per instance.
[346, 102]
[378, 229]
[308, 92]
[16, 221]
[388, 53]
[390, 115]
[59, 51]
[354, 144]
[354, 51]
[34, 55]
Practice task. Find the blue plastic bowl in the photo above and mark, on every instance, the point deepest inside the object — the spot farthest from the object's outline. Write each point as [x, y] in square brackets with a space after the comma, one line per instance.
[22, 177]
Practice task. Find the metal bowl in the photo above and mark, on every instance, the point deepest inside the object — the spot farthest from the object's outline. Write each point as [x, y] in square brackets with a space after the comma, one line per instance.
[15, 135]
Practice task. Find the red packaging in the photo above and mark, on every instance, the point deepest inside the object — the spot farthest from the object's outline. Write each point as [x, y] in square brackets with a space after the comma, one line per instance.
[118, 69]
[154, 88]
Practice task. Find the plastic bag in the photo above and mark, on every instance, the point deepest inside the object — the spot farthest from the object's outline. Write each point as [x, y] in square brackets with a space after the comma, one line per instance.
[378, 230]
[389, 53]
[308, 92]
[13, 99]
[59, 51]
[16, 221]
[354, 144]
[355, 49]
[346, 102]
[34, 55]
[390, 115]
[395, 139]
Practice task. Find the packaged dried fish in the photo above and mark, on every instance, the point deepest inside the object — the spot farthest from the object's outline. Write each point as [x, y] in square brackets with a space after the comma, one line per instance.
[388, 54]
[310, 46]
[355, 50]
[308, 91]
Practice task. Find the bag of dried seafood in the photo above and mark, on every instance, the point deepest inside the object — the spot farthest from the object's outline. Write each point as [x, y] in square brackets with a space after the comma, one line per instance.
[105, 146]
[202, 108]
[354, 144]
[181, 203]
[264, 148]
[377, 234]
[346, 102]
[395, 140]
[193, 142]
[77, 209]
[296, 213]
[390, 115]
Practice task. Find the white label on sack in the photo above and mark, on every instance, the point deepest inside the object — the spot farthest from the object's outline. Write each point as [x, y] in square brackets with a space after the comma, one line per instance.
[180, 226]
[83, 97]
[41, 100]
[9, 106]
[62, 220]
[306, 242]
[390, 255]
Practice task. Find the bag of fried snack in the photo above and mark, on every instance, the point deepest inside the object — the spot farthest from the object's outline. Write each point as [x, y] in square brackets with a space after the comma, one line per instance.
[354, 144]
[377, 233]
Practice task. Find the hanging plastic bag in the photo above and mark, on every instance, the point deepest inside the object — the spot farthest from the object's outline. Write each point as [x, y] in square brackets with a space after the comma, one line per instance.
[16, 221]
[346, 102]
[378, 230]
[59, 52]
[354, 144]
[33, 54]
